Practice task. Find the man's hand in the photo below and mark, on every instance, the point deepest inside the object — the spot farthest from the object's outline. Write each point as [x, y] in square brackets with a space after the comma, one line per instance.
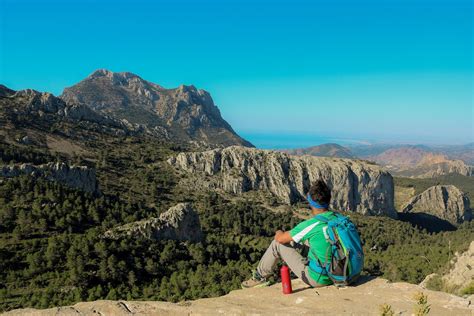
[283, 237]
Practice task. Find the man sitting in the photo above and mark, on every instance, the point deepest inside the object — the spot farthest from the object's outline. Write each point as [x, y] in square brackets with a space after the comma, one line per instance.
[288, 245]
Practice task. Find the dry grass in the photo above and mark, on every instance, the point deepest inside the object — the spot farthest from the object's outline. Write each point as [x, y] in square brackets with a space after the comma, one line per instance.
[402, 196]
[61, 145]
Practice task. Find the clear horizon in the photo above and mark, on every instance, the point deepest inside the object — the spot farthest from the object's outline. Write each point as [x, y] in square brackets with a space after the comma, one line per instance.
[384, 71]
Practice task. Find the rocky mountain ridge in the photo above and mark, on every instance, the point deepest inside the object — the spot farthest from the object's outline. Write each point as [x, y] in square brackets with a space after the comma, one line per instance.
[43, 103]
[180, 222]
[366, 298]
[356, 185]
[186, 113]
[32, 109]
[420, 162]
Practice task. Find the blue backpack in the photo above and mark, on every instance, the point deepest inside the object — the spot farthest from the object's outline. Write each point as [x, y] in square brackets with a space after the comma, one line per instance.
[345, 259]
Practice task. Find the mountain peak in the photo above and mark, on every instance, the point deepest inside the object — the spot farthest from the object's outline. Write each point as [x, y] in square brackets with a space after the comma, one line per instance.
[120, 78]
[100, 73]
[187, 113]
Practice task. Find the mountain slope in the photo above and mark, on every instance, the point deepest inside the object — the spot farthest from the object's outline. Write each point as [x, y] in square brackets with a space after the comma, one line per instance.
[30, 117]
[420, 162]
[187, 113]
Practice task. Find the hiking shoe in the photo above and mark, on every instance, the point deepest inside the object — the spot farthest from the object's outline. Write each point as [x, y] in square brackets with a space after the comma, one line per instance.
[256, 281]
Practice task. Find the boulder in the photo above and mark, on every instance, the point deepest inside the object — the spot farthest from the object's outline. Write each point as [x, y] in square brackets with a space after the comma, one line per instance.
[446, 202]
[356, 185]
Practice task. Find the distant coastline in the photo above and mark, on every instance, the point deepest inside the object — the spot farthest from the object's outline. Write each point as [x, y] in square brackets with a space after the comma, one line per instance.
[289, 140]
[294, 140]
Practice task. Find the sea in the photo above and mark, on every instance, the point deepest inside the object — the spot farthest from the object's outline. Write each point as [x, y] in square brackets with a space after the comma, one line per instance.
[294, 140]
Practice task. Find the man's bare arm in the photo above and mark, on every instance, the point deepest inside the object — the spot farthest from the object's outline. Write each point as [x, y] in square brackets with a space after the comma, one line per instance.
[283, 237]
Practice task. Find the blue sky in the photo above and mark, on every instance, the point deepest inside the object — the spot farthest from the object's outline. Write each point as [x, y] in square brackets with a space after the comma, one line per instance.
[383, 70]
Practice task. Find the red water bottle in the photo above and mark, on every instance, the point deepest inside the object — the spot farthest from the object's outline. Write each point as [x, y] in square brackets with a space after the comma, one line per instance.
[285, 279]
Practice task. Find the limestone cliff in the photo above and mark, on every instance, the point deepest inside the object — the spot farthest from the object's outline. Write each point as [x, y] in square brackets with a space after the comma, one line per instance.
[78, 177]
[180, 222]
[443, 201]
[356, 185]
[364, 299]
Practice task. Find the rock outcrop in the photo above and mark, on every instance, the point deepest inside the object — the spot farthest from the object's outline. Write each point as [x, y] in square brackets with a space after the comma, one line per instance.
[180, 222]
[356, 185]
[446, 202]
[459, 279]
[77, 177]
[364, 299]
[186, 113]
[461, 274]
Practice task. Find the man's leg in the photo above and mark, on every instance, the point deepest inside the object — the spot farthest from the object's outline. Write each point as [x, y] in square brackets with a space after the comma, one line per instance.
[290, 254]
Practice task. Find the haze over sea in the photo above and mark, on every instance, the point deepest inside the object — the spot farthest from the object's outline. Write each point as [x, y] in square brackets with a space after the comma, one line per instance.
[293, 140]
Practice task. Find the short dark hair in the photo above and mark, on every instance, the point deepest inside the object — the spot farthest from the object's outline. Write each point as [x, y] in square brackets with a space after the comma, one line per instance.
[320, 192]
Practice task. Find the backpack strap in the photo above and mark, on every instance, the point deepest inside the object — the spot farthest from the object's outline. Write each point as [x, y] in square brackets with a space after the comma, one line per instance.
[316, 267]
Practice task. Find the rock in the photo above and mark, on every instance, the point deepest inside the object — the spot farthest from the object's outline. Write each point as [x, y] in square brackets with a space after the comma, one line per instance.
[356, 185]
[25, 140]
[461, 274]
[77, 177]
[180, 222]
[443, 201]
[425, 283]
[186, 113]
[363, 299]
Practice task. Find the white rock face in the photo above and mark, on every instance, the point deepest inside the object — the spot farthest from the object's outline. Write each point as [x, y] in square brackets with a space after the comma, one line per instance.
[356, 185]
[443, 201]
[180, 222]
[78, 177]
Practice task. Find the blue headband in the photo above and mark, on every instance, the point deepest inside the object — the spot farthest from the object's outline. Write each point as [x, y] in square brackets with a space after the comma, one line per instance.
[316, 204]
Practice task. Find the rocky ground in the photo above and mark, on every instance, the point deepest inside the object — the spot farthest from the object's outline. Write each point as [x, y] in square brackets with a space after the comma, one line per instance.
[363, 299]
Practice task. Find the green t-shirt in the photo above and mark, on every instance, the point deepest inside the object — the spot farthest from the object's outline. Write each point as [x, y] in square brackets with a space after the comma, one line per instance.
[313, 230]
